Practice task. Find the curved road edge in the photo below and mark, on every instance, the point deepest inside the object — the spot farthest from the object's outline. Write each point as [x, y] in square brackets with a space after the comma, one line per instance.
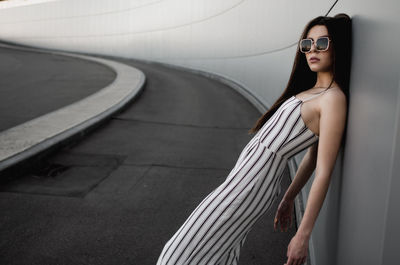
[22, 145]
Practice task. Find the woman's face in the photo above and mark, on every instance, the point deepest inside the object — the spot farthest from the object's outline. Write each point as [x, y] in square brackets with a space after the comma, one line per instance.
[325, 57]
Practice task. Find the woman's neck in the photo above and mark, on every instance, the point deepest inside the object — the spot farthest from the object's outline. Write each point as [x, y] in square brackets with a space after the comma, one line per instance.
[324, 79]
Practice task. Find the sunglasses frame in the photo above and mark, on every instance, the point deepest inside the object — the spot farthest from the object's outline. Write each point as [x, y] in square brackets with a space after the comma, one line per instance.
[312, 42]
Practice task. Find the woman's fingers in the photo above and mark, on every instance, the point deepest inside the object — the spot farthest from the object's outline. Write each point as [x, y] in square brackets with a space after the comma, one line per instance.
[284, 224]
[283, 221]
[299, 261]
[276, 219]
[294, 261]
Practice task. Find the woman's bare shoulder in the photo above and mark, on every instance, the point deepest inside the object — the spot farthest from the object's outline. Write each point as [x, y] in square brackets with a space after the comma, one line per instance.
[334, 96]
[333, 108]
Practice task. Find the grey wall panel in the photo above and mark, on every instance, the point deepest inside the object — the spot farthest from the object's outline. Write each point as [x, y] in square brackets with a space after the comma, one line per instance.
[252, 43]
[364, 208]
[391, 253]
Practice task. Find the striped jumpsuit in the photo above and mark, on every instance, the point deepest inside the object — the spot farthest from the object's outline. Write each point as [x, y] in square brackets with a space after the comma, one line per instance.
[216, 230]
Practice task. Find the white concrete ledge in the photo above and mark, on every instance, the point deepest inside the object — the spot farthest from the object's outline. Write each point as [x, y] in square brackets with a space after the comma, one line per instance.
[34, 136]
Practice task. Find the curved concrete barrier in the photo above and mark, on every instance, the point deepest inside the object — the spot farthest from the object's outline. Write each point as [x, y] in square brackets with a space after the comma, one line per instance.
[26, 140]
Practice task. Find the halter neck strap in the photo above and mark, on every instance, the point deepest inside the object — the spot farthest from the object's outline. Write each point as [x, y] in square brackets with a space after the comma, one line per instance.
[307, 99]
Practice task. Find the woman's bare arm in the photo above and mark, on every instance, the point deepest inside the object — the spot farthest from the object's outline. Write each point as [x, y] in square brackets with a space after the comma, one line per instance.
[332, 122]
[306, 168]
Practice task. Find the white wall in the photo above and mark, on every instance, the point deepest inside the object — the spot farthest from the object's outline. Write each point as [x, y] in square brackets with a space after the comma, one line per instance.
[253, 42]
[15, 3]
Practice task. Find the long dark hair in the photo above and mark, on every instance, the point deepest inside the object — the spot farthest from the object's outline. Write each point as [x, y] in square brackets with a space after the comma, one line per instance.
[302, 78]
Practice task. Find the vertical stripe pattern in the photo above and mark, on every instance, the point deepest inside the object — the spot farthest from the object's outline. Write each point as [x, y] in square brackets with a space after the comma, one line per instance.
[216, 230]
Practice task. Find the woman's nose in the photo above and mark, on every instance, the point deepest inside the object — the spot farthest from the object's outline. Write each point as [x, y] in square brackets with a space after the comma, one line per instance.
[313, 49]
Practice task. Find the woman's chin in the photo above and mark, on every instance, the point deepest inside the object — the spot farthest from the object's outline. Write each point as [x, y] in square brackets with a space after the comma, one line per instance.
[316, 68]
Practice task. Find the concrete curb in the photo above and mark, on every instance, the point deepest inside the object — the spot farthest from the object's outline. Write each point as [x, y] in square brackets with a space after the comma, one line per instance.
[27, 142]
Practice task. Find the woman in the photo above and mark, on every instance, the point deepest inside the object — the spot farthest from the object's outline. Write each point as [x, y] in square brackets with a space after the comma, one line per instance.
[311, 113]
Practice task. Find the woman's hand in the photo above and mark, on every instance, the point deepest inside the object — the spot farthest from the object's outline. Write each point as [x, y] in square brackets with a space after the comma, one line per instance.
[284, 214]
[297, 250]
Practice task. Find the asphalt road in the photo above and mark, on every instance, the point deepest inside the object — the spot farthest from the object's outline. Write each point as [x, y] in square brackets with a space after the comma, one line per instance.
[120, 193]
[35, 83]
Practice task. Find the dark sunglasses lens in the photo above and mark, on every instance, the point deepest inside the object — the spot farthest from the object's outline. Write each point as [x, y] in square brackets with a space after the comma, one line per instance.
[322, 44]
[305, 45]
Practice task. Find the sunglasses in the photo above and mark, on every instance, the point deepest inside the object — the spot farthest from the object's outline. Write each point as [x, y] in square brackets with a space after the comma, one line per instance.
[322, 44]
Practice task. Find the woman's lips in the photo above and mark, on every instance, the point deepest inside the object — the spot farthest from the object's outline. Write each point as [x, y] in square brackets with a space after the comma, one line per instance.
[313, 60]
